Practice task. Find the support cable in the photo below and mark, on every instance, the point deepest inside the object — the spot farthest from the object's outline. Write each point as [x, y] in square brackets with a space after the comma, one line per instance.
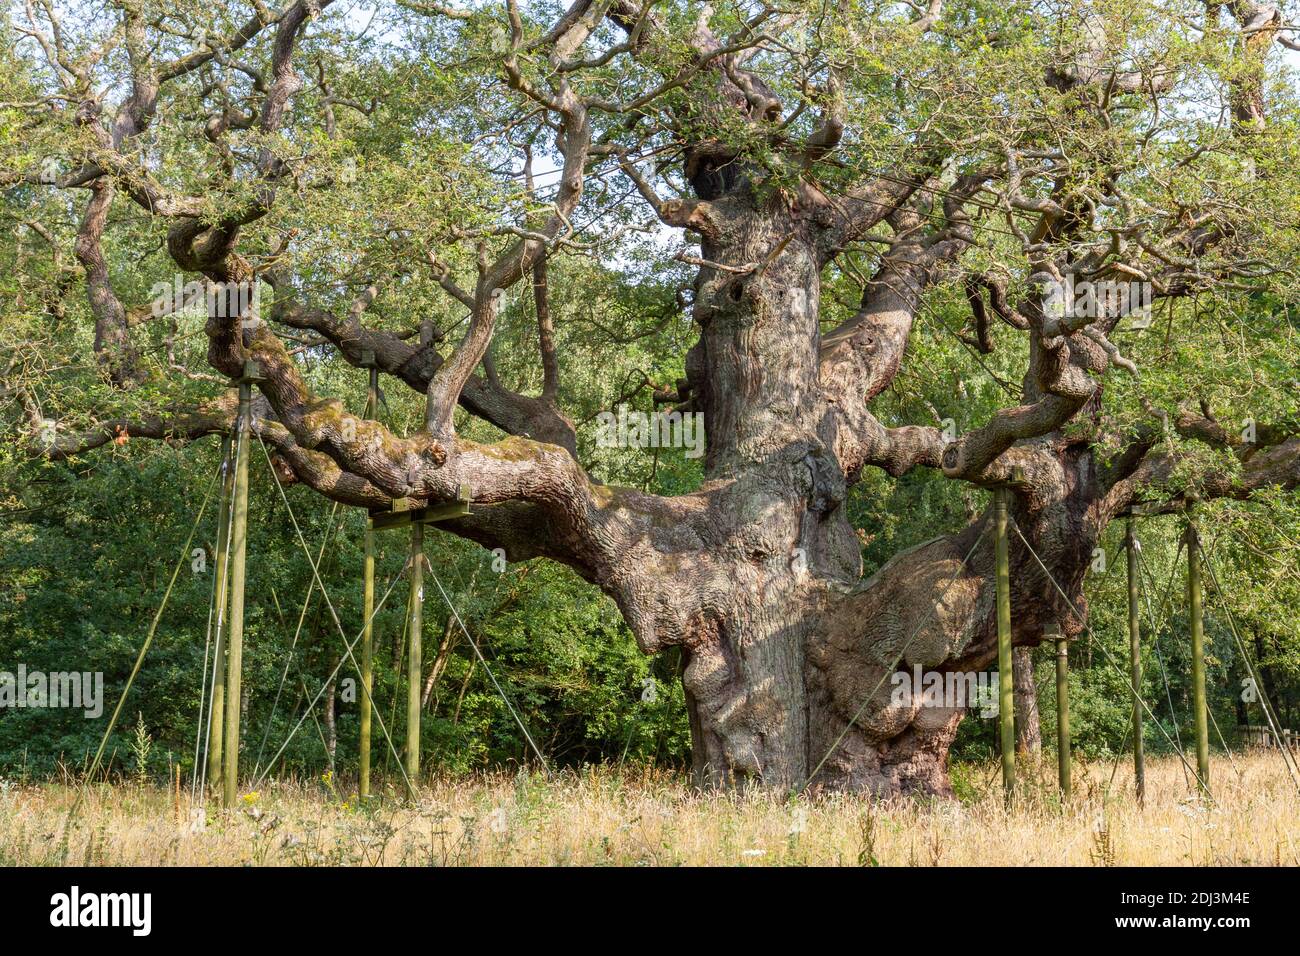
[1128, 678]
[888, 671]
[397, 664]
[144, 649]
[1228, 750]
[330, 530]
[492, 677]
[216, 616]
[1157, 630]
[203, 680]
[347, 646]
[1119, 754]
[1288, 758]
[221, 620]
[333, 674]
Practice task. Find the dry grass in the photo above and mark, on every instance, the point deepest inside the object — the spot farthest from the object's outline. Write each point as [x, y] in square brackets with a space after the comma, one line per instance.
[603, 817]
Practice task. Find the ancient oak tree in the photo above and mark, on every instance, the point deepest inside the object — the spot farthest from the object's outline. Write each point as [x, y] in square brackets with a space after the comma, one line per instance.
[530, 213]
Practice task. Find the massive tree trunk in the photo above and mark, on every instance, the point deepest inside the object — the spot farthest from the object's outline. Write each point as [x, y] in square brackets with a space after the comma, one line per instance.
[789, 668]
[789, 653]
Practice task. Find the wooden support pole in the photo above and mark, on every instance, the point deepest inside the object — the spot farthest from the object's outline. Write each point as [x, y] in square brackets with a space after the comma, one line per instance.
[238, 555]
[368, 610]
[1135, 661]
[1006, 699]
[1063, 769]
[414, 663]
[221, 592]
[1197, 622]
[403, 513]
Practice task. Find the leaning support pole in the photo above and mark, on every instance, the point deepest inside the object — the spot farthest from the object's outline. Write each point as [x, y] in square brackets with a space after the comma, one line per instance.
[238, 554]
[217, 705]
[1006, 702]
[414, 663]
[1198, 655]
[368, 610]
[1135, 661]
[1063, 769]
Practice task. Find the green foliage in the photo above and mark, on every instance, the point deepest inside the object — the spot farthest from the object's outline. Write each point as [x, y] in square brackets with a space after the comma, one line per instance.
[85, 554]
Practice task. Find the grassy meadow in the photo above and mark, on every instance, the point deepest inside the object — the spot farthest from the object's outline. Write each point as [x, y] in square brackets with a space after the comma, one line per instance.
[605, 817]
